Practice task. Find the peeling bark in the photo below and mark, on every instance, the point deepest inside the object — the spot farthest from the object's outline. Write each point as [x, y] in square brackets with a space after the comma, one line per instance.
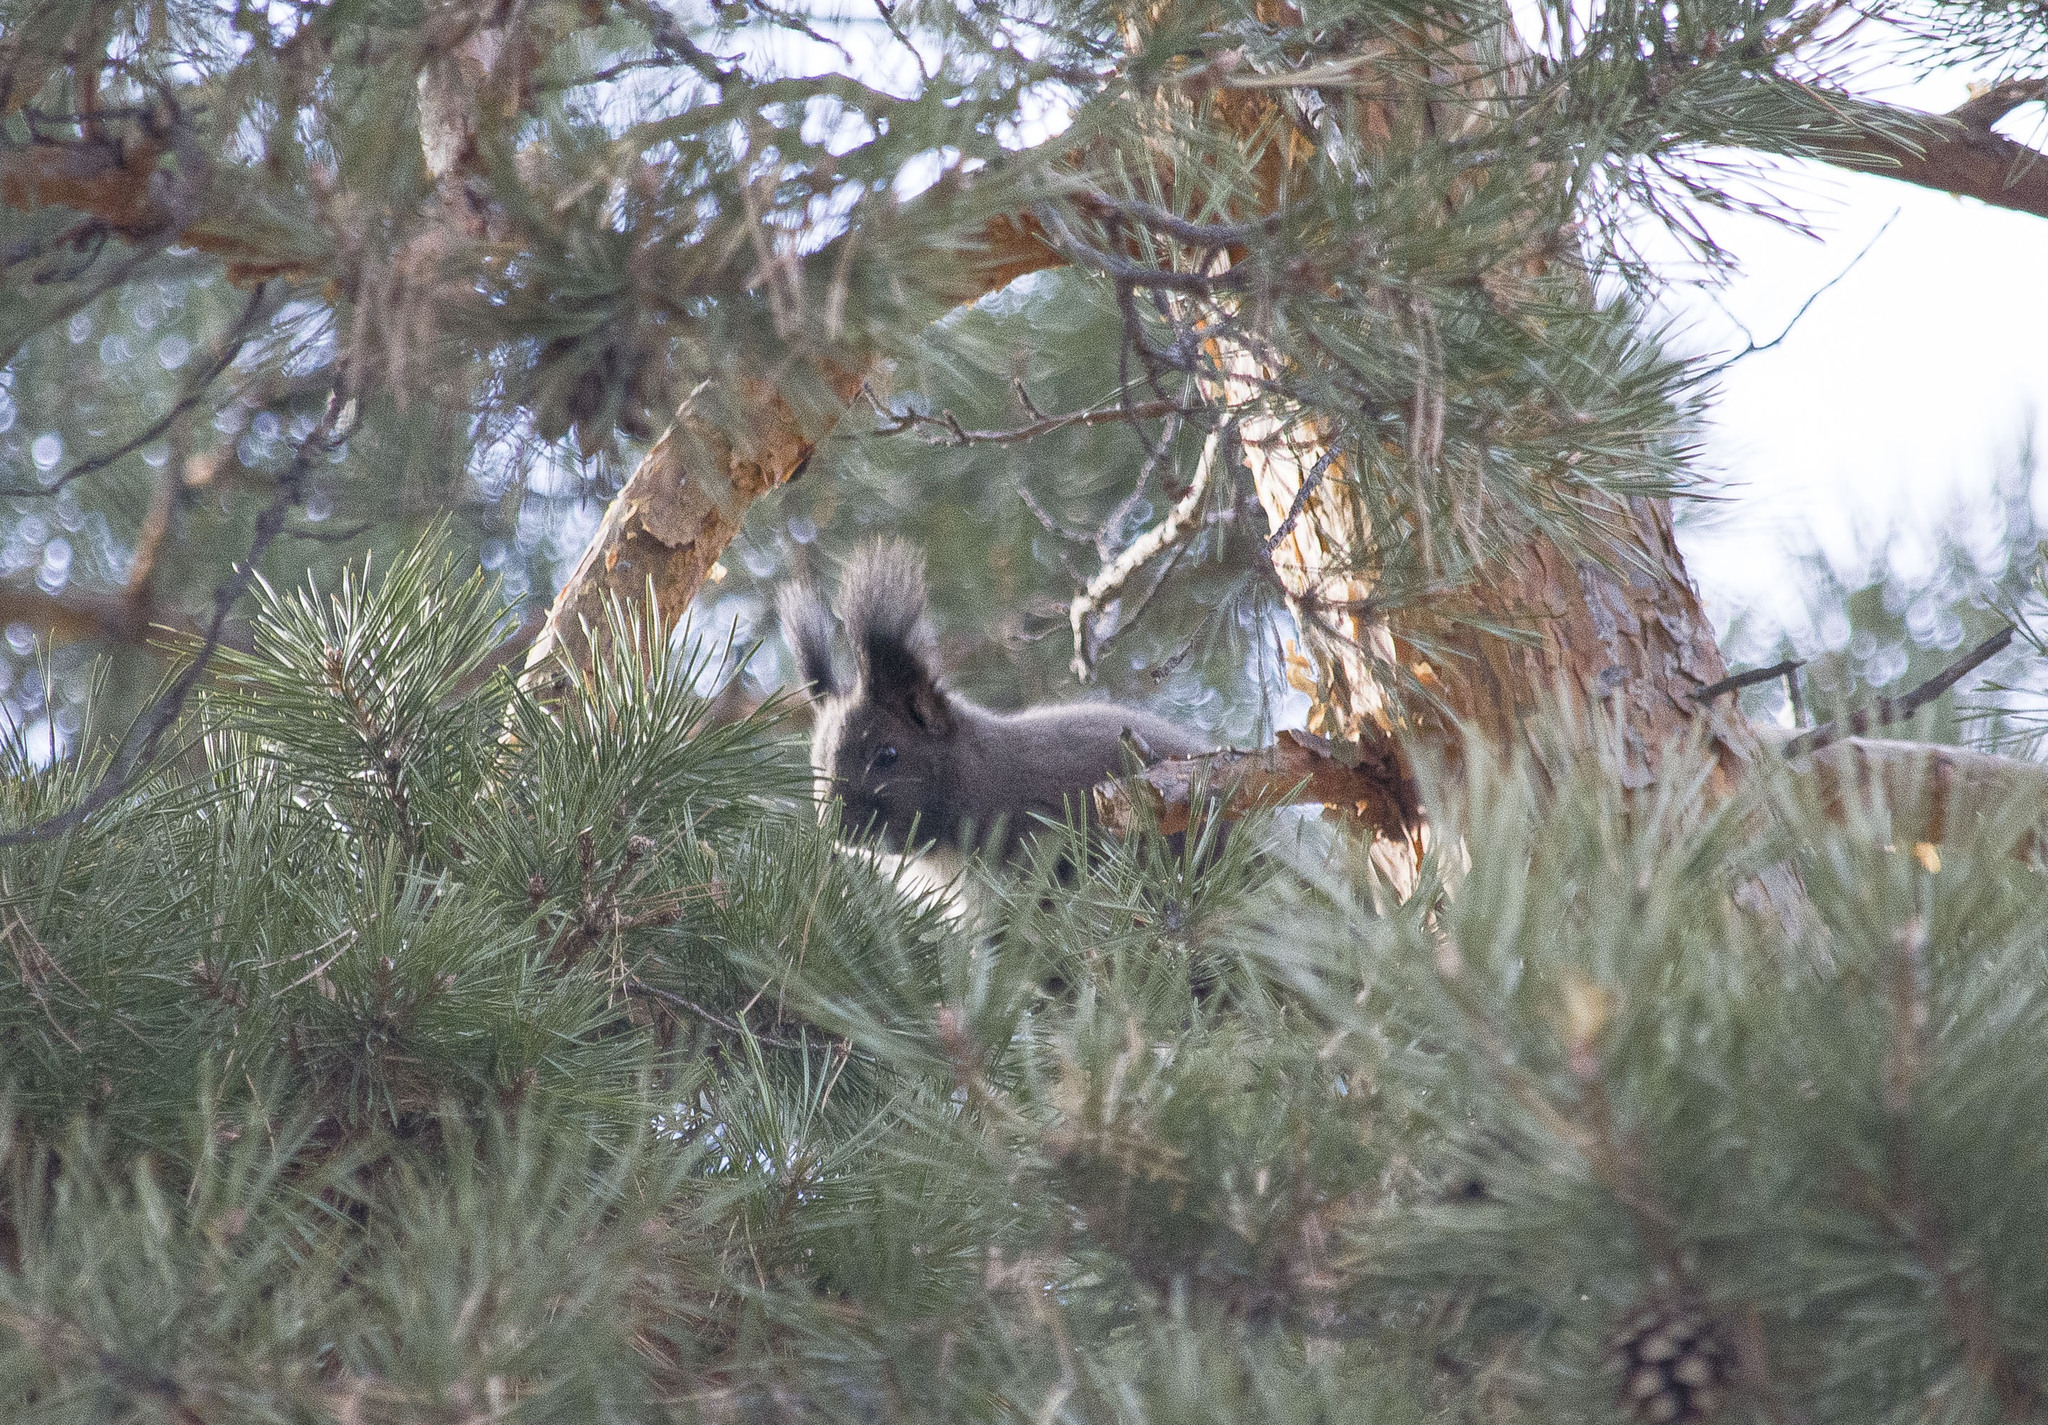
[1298, 767]
[669, 525]
[1625, 635]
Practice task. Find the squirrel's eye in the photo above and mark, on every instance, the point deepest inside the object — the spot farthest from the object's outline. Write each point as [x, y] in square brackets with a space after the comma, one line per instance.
[884, 758]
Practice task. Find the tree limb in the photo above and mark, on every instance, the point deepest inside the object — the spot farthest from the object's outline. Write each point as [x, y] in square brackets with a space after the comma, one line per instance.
[1114, 575]
[1890, 710]
[1298, 767]
[1931, 790]
[1955, 152]
[75, 617]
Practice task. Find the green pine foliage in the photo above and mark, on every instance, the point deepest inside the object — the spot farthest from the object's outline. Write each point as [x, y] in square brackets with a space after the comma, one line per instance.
[406, 1049]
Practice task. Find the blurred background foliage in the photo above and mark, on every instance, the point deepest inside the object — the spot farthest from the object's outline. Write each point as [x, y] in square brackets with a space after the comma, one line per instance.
[1906, 603]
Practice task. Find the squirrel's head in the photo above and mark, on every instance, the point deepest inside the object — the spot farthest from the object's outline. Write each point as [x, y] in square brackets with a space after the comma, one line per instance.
[883, 741]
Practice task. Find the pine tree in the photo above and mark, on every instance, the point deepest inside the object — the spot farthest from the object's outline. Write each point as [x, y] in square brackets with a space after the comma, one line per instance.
[390, 1038]
[377, 1058]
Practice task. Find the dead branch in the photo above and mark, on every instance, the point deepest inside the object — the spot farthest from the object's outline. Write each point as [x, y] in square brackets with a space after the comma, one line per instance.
[899, 423]
[1375, 791]
[1147, 546]
[1736, 681]
[679, 509]
[1891, 710]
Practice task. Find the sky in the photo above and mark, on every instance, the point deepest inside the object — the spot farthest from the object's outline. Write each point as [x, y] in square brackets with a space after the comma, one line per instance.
[1897, 393]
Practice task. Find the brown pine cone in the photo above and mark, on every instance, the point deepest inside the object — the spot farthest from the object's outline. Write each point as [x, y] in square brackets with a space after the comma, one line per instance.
[1672, 1361]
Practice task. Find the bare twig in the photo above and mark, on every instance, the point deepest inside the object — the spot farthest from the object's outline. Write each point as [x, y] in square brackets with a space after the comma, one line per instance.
[1199, 235]
[902, 422]
[147, 734]
[1752, 346]
[1735, 681]
[1144, 548]
[1136, 274]
[670, 38]
[1301, 498]
[1890, 710]
[638, 986]
[231, 343]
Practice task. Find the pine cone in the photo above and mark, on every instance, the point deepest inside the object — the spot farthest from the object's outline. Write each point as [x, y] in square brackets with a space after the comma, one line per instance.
[1672, 1361]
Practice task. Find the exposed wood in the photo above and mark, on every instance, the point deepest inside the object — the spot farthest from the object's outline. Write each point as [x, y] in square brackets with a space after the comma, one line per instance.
[1617, 627]
[1299, 767]
[667, 527]
[1735, 682]
[685, 500]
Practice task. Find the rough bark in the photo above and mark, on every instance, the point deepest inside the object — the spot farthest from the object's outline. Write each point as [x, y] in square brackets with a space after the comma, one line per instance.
[1928, 793]
[686, 498]
[1616, 628]
[1622, 636]
[1298, 767]
[680, 508]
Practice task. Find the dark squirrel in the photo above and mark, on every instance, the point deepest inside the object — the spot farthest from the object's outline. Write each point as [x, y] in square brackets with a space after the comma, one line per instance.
[902, 752]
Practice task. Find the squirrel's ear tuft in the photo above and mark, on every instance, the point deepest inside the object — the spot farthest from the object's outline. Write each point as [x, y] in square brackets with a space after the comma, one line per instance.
[807, 629]
[882, 601]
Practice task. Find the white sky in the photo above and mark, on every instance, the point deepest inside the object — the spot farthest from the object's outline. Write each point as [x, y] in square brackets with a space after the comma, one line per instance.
[1898, 392]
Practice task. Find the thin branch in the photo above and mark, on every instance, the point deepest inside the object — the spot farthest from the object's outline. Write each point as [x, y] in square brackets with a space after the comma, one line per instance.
[1143, 549]
[1753, 346]
[667, 33]
[1301, 498]
[231, 344]
[1889, 710]
[1376, 789]
[147, 734]
[888, 14]
[1137, 274]
[1112, 528]
[902, 422]
[1736, 681]
[638, 986]
[332, 536]
[1199, 235]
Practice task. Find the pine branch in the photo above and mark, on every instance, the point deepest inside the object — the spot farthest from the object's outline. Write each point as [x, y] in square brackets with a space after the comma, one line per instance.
[1954, 153]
